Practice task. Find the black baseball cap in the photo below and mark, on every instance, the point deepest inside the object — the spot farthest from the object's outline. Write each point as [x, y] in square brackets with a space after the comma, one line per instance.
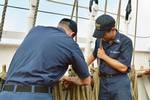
[72, 24]
[103, 23]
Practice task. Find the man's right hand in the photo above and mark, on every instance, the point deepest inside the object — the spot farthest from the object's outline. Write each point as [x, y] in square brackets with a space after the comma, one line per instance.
[76, 80]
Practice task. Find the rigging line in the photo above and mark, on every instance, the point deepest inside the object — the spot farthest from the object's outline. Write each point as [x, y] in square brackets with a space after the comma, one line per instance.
[73, 9]
[3, 17]
[77, 6]
[53, 1]
[135, 33]
[48, 12]
[36, 11]
[138, 36]
[118, 15]
[106, 3]
[10, 6]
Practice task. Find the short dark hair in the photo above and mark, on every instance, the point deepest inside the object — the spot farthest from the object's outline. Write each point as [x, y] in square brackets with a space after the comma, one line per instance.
[70, 23]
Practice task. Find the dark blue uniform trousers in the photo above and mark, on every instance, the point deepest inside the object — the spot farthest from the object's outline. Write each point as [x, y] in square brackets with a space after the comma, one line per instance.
[115, 88]
[4, 95]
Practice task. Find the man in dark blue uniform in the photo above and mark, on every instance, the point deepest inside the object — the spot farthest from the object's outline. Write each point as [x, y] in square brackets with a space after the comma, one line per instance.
[41, 60]
[114, 50]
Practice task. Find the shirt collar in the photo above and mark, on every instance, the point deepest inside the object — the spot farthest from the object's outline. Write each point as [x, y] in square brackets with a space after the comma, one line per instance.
[117, 38]
[61, 29]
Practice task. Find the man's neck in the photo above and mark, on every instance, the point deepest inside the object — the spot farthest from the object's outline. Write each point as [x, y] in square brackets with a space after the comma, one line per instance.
[113, 38]
[114, 35]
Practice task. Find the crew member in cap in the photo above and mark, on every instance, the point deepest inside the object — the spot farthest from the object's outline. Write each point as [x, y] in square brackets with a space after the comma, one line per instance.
[114, 50]
[41, 60]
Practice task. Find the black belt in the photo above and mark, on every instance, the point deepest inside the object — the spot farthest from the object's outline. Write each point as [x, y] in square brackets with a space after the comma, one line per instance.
[22, 88]
[108, 75]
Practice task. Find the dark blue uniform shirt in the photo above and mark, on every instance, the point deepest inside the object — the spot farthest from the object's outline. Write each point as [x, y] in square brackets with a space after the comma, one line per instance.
[44, 56]
[121, 50]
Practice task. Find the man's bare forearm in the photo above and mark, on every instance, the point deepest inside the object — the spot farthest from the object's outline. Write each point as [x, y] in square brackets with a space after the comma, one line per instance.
[78, 81]
[115, 64]
[90, 59]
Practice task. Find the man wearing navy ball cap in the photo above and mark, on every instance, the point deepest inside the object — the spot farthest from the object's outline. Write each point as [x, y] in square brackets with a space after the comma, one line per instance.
[114, 53]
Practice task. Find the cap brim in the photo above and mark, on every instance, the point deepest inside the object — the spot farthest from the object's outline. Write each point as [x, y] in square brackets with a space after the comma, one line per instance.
[98, 34]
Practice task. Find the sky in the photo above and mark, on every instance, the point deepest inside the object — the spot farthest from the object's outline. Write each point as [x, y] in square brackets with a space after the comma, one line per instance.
[16, 20]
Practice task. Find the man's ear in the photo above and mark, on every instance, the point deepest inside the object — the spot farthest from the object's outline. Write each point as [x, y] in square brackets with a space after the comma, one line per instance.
[113, 29]
[72, 34]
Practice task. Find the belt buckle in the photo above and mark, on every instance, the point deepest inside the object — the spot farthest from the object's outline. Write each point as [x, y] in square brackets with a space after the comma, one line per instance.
[107, 75]
[110, 75]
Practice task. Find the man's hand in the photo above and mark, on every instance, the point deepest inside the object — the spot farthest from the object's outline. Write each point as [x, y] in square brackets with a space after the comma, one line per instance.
[76, 80]
[101, 53]
[72, 80]
[66, 81]
[112, 62]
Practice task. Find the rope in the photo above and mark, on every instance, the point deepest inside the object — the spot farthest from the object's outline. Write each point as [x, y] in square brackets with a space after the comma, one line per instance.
[134, 74]
[135, 33]
[48, 12]
[105, 10]
[36, 11]
[3, 18]
[118, 15]
[77, 4]
[73, 9]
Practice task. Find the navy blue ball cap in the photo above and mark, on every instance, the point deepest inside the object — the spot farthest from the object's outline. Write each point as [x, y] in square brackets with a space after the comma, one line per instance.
[103, 23]
[72, 24]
